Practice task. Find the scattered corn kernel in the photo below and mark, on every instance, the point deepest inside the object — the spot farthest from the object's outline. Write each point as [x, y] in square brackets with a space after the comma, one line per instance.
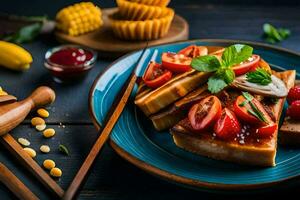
[40, 127]
[55, 172]
[49, 164]
[23, 142]
[37, 121]
[45, 149]
[49, 132]
[43, 112]
[31, 152]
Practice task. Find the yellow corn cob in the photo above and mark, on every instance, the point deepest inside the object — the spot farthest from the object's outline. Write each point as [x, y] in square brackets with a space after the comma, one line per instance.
[14, 57]
[79, 18]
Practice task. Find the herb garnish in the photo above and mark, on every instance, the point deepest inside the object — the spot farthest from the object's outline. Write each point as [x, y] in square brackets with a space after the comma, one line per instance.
[255, 111]
[273, 35]
[25, 34]
[224, 75]
[28, 32]
[259, 76]
[63, 149]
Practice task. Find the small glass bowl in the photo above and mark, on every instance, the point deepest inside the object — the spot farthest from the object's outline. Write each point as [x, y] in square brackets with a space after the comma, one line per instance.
[62, 73]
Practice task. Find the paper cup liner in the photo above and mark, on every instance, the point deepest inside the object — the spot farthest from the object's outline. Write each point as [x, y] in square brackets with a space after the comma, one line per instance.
[135, 11]
[162, 3]
[141, 30]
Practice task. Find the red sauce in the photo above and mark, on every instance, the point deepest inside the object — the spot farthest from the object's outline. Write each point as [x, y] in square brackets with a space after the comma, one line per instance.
[70, 63]
[71, 56]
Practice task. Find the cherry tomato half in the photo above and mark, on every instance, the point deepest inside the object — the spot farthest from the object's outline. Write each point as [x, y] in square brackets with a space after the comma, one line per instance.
[193, 51]
[266, 131]
[227, 126]
[177, 63]
[156, 76]
[246, 66]
[203, 114]
[241, 109]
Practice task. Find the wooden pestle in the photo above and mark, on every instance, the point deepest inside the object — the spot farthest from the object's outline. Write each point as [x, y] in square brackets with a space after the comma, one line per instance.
[12, 114]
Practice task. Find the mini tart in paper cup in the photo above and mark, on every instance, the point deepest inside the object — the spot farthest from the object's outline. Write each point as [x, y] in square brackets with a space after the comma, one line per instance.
[135, 11]
[162, 3]
[141, 30]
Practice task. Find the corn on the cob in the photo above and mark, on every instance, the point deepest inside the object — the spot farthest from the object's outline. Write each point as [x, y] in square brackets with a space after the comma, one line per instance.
[79, 18]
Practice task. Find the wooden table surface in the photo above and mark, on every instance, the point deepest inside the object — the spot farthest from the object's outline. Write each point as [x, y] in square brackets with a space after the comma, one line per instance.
[112, 177]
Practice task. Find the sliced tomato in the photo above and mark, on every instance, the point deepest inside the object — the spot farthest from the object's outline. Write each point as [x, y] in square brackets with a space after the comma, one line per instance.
[156, 76]
[227, 126]
[246, 66]
[267, 131]
[193, 51]
[203, 114]
[177, 63]
[242, 109]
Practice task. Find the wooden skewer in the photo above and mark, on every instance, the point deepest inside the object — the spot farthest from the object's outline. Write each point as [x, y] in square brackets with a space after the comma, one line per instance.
[15, 185]
[15, 148]
[104, 135]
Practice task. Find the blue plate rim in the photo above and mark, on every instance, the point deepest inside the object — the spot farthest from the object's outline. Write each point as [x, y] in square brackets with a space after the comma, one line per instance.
[165, 174]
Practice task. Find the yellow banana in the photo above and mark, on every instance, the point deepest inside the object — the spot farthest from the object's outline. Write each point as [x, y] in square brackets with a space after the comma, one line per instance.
[2, 92]
[14, 57]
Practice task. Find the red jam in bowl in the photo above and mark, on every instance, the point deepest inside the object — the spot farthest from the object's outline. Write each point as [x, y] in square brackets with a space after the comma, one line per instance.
[69, 62]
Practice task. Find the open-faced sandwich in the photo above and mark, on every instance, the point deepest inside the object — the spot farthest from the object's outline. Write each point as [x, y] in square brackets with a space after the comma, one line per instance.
[223, 103]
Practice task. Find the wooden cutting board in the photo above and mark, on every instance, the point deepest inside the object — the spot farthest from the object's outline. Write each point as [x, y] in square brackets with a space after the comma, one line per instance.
[104, 41]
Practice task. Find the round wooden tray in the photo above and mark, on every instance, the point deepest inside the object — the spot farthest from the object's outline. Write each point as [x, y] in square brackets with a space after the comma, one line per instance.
[104, 41]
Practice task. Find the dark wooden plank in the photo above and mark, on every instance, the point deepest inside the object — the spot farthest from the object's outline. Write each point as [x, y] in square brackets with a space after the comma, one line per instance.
[77, 138]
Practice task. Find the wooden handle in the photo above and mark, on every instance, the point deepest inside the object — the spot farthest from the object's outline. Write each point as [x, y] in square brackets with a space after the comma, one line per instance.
[104, 135]
[15, 185]
[41, 96]
[12, 114]
[14, 147]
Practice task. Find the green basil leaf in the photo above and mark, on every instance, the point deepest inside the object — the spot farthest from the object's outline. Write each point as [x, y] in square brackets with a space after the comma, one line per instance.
[259, 76]
[25, 34]
[216, 84]
[205, 63]
[235, 54]
[273, 35]
[247, 96]
[227, 74]
[271, 32]
[255, 111]
[284, 33]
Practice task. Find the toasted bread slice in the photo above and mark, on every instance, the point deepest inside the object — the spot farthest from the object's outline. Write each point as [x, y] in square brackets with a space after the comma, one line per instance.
[169, 116]
[159, 98]
[246, 150]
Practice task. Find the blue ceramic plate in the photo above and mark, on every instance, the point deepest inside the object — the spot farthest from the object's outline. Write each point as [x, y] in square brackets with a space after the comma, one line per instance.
[135, 139]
